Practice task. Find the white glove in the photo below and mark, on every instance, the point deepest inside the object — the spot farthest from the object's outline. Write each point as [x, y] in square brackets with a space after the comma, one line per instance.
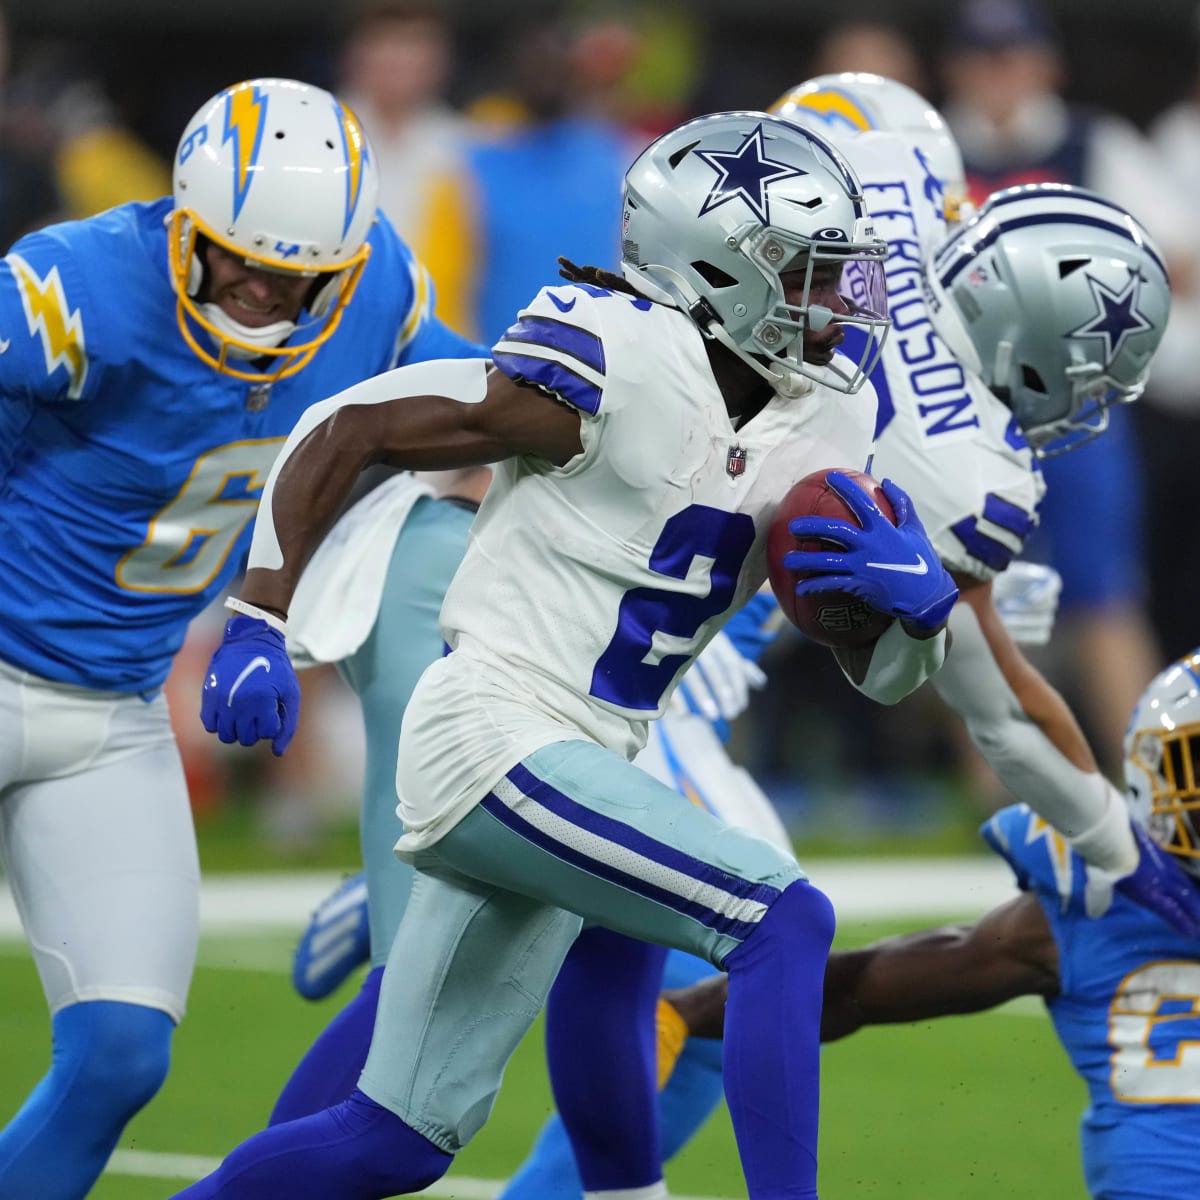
[718, 684]
[1026, 597]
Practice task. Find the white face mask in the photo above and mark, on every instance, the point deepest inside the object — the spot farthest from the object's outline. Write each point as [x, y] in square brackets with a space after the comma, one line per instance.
[265, 337]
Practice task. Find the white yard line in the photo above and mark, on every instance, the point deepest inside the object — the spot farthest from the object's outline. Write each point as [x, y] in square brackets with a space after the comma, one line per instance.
[149, 1164]
[861, 889]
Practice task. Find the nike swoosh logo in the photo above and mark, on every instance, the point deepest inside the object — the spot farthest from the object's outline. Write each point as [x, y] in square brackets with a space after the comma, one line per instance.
[563, 305]
[247, 671]
[920, 567]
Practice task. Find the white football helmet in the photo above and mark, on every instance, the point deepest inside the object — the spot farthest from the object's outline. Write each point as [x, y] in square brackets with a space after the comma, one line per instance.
[858, 102]
[281, 174]
[1058, 299]
[1162, 761]
[716, 210]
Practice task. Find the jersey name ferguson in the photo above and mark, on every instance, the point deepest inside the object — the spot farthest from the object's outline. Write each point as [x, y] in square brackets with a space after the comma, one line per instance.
[586, 590]
[942, 435]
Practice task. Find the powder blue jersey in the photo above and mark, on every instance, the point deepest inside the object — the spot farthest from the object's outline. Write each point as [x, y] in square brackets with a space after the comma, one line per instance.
[130, 471]
[1128, 1016]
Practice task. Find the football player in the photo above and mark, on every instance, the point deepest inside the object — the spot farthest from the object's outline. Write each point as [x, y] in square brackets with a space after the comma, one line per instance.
[1122, 989]
[645, 426]
[1063, 300]
[154, 359]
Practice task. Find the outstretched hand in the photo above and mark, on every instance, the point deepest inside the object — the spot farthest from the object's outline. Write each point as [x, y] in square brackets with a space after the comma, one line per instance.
[250, 689]
[893, 567]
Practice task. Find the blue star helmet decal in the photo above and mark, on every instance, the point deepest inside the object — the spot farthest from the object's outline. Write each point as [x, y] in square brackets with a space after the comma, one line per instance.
[743, 174]
[1117, 315]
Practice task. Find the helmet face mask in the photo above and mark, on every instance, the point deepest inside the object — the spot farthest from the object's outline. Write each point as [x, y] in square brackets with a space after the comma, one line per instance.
[1162, 761]
[853, 102]
[719, 210]
[280, 175]
[1057, 299]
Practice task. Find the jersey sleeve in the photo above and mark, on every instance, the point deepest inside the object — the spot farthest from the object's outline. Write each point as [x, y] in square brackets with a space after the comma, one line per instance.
[557, 345]
[1038, 854]
[49, 328]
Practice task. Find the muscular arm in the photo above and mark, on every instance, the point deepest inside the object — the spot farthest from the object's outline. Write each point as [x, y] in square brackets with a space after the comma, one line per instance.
[1026, 732]
[932, 973]
[937, 972]
[432, 416]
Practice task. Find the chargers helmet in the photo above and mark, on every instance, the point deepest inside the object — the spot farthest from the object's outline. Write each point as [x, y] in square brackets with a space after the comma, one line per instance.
[716, 210]
[1162, 760]
[1058, 299]
[858, 102]
[281, 174]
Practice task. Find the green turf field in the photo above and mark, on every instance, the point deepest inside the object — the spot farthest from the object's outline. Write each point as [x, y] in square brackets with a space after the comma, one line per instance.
[984, 1107]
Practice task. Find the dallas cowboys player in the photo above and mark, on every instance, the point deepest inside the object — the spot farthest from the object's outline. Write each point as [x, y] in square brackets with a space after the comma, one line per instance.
[965, 456]
[155, 358]
[1058, 301]
[612, 545]
[1122, 986]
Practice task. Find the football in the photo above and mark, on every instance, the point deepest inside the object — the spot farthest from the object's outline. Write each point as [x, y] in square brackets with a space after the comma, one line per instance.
[834, 618]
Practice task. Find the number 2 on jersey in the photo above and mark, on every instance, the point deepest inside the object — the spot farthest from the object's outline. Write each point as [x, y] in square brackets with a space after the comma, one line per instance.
[1154, 1032]
[657, 627]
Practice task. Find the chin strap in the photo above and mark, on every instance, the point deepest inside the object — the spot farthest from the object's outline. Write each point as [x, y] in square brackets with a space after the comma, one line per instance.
[266, 337]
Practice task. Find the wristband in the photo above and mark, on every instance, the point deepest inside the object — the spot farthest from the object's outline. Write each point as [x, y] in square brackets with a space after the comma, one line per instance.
[249, 610]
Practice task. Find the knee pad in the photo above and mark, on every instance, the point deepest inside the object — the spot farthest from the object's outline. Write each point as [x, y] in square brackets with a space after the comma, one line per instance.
[118, 1053]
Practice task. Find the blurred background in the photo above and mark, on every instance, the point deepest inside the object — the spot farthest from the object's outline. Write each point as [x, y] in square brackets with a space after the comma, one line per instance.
[502, 132]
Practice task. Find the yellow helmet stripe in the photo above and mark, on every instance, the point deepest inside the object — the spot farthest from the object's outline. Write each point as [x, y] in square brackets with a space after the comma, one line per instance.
[357, 151]
[245, 119]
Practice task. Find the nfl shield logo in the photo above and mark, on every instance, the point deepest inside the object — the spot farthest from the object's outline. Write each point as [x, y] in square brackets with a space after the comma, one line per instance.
[735, 463]
[257, 397]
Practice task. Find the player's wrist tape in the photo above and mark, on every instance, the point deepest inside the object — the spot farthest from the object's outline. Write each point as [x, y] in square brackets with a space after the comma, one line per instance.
[249, 610]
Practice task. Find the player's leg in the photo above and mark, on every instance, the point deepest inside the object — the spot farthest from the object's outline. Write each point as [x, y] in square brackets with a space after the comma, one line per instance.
[629, 854]
[469, 971]
[600, 1028]
[382, 672]
[103, 867]
[691, 1088]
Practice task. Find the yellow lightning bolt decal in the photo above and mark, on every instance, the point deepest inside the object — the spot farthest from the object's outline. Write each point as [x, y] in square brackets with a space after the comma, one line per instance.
[49, 317]
[245, 114]
[357, 153]
[1059, 853]
[833, 107]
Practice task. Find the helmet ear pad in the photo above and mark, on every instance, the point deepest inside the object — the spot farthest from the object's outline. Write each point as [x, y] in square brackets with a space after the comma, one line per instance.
[197, 266]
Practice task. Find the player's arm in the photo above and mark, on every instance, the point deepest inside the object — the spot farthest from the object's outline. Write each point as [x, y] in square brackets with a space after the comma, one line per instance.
[432, 416]
[939, 972]
[932, 973]
[1026, 732]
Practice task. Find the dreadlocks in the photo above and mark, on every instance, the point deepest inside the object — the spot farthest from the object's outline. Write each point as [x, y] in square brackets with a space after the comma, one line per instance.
[596, 276]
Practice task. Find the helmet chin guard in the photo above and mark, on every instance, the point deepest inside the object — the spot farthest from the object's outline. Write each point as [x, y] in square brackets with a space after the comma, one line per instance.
[279, 174]
[718, 210]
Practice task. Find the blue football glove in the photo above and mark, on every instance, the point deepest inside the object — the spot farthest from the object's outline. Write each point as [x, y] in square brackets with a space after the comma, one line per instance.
[894, 568]
[251, 691]
[1161, 885]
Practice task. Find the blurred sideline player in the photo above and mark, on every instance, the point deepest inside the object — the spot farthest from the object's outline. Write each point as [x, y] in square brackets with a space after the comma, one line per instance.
[645, 427]
[369, 600]
[965, 453]
[1122, 988]
[155, 358]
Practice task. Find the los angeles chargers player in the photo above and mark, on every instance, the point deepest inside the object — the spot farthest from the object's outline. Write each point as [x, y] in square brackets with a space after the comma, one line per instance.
[1121, 985]
[645, 428]
[155, 358]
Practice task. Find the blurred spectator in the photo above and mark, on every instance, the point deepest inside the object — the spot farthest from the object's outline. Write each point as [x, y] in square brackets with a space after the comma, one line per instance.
[28, 194]
[542, 179]
[879, 48]
[1003, 73]
[60, 108]
[396, 63]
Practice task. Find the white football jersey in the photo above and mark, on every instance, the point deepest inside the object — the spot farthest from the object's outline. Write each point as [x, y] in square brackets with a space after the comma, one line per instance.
[587, 590]
[941, 434]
